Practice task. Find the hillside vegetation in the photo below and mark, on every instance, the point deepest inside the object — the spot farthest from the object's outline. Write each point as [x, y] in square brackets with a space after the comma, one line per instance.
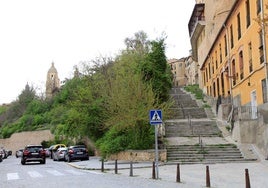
[108, 103]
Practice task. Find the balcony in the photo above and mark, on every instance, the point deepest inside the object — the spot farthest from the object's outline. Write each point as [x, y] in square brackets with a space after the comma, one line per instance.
[195, 26]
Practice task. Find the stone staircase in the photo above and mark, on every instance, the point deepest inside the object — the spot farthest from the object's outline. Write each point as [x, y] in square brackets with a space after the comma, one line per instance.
[193, 136]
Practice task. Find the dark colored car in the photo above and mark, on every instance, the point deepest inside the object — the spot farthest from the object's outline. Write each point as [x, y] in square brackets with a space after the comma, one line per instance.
[78, 152]
[33, 153]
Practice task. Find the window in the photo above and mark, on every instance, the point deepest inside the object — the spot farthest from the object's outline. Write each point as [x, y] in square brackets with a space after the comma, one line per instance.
[213, 68]
[264, 91]
[204, 78]
[250, 57]
[238, 26]
[209, 71]
[248, 12]
[218, 87]
[222, 83]
[225, 46]
[258, 6]
[216, 61]
[232, 36]
[206, 75]
[233, 72]
[220, 54]
[261, 48]
[241, 65]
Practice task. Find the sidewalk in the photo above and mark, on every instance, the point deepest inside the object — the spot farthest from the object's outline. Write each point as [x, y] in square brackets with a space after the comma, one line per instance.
[220, 175]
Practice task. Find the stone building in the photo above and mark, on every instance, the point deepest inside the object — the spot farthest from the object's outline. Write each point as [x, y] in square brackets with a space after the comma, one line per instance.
[191, 71]
[52, 82]
[177, 67]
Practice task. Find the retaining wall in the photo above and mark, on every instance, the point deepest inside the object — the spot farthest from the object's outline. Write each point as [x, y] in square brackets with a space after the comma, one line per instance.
[20, 140]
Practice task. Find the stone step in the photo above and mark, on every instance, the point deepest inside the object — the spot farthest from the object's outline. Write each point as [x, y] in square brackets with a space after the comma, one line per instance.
[192, 128]
[203, 153]
[184, 113]
[195, 153]
[190, 120]
[208, 161]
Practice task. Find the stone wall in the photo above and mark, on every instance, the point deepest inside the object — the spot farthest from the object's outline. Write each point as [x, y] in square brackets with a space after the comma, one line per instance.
[252, 132]
[20, 140]
[139, 155]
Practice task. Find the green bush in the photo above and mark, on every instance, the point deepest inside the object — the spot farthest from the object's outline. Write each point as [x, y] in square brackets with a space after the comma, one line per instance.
[113, 141]
[194, 89]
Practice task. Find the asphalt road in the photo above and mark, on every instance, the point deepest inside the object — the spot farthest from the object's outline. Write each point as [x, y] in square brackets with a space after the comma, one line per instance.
[60, 174]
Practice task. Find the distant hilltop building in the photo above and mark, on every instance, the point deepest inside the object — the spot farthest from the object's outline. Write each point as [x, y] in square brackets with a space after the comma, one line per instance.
[53, 82]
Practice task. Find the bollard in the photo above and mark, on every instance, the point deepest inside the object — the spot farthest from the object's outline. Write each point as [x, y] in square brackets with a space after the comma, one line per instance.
[153, 171]
[102, 165]
[247, 178]
[131, 169]
[207, 177]
[115, 168]
[178, 178]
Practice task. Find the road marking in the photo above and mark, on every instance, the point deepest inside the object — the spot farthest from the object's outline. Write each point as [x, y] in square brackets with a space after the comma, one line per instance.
[35, 174]
[55, 172]
[12, 176]
[75, 172]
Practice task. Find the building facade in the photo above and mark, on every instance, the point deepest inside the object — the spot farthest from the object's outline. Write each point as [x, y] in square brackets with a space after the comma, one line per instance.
[191, 71]
[177, 67]
[232, 55]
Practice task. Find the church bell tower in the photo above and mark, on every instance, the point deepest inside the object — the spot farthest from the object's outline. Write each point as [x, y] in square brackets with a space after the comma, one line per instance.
[53, 82]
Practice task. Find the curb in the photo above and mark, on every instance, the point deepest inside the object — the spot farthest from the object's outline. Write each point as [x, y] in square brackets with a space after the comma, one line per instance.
[113, 167]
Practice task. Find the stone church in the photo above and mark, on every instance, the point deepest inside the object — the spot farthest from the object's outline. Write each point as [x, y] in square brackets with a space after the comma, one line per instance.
[52, 82]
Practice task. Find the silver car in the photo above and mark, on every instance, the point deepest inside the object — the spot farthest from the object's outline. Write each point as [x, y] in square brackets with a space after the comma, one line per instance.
[59, 154]
[19, 153]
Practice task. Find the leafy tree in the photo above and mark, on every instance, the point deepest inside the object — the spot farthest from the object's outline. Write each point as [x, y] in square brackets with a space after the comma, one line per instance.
[131, 97]
[155, 70]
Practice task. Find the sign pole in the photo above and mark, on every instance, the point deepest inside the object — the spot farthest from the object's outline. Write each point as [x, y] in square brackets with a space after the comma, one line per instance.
[156, 150]
[156, 119]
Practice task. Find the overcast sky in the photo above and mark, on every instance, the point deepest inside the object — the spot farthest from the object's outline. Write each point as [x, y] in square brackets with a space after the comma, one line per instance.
[35, 33]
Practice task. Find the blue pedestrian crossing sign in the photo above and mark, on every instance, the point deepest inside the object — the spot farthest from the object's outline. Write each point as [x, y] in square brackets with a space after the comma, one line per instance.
[155, 117]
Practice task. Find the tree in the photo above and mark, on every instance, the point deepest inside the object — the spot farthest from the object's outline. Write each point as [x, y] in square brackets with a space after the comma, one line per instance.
[154, 70]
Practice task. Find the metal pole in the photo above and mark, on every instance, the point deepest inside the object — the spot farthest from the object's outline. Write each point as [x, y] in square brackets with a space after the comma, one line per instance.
[207, 177]
[153, 171]
[115, 168]
[156, 150]
[247, 178]
[131, 169]
[102, 165]
[178, 177]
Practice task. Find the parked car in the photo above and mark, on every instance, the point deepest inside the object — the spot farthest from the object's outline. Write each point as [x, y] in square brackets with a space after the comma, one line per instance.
[60, 154]
[47, 152]
[33, 153]
[54, 148]
[2, 155]
[19, 153]
[9, 152]
[5, 153]
[50, 150]
[78, 152]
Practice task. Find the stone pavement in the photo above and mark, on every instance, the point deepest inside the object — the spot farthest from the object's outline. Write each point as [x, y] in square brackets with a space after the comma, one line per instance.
[193, 175]
[229, 175]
